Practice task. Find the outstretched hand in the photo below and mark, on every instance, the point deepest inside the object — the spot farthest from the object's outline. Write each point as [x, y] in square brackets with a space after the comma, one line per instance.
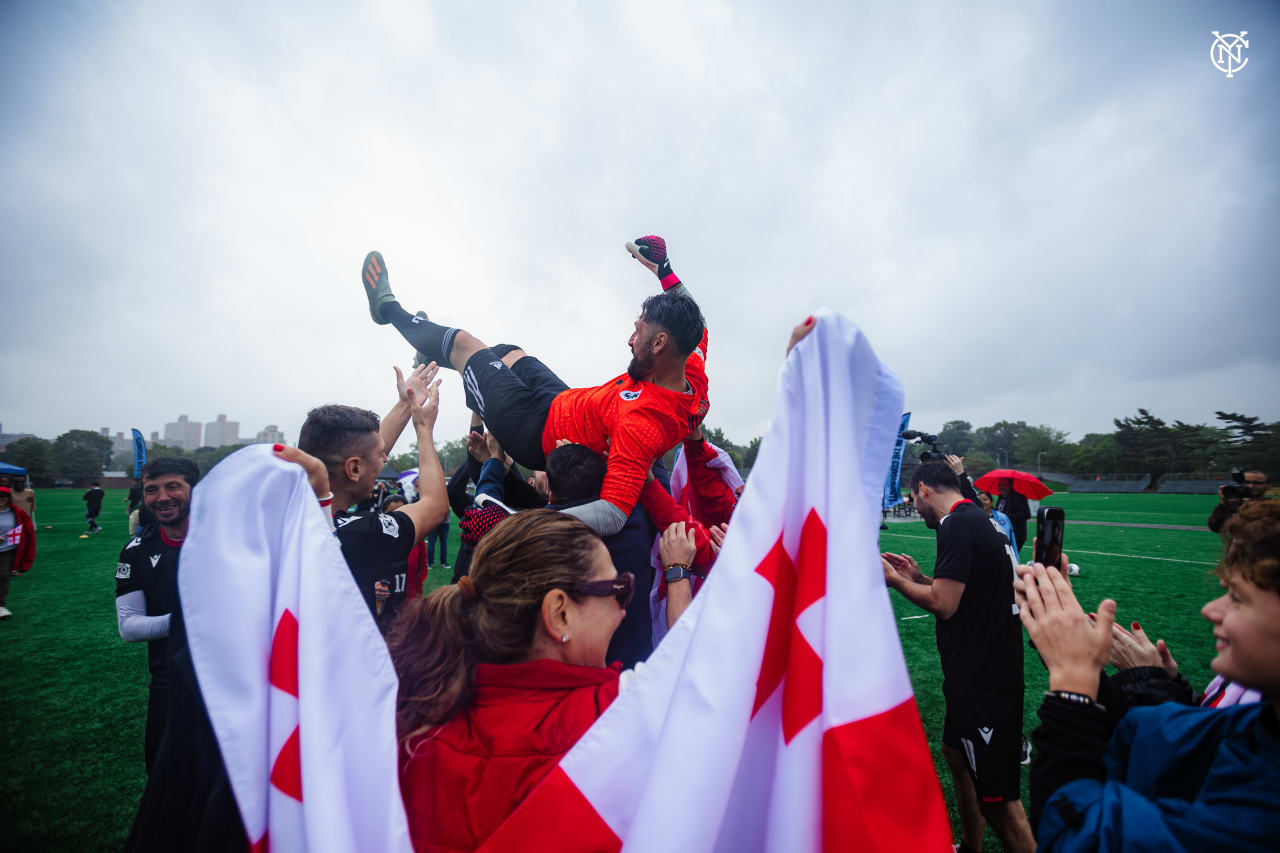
[1073, 645]
[1129, 650]
[317, 473]
[800, 332]
[419, 380]
[423, 407]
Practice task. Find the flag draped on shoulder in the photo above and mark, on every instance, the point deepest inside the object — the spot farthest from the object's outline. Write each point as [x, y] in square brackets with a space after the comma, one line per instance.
[777, 713]
[296, 678]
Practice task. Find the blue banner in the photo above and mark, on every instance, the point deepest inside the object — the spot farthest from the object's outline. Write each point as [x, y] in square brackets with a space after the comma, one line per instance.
[139, 454]
[892, 484]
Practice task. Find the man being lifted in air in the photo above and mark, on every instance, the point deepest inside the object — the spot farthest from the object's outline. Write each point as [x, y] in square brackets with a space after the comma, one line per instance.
[635, 417]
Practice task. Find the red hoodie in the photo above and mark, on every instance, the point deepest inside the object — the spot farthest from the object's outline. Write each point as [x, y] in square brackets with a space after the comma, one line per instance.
[25, 554]
[464, 778]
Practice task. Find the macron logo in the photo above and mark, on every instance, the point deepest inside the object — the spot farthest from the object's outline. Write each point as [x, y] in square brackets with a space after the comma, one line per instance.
[155, 558]
[986, 735]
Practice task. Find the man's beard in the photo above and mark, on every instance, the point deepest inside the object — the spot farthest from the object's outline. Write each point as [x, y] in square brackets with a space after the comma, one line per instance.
[638, 369]
[184, 508]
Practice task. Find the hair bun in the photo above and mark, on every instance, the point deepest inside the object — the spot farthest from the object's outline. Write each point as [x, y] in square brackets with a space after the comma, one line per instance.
[467, 587]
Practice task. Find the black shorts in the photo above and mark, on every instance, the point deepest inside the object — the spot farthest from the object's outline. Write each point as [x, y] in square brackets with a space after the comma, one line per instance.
[514, 401]
[987, 728]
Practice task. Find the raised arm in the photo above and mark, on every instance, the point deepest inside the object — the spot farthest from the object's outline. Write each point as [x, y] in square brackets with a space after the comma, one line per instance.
[432, 505]
[398, 417]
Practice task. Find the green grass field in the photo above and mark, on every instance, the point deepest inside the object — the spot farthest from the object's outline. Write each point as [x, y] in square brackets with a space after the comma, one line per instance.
[73, 695]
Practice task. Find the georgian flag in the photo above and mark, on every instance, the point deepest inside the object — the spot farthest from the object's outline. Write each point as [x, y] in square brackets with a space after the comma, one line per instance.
[776, 714]
[293, 671]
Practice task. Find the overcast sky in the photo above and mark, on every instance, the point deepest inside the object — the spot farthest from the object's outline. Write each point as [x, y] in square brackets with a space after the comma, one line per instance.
[1054, 213]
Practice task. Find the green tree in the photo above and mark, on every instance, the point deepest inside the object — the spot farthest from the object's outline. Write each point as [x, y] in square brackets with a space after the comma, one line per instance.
[80, 453]
[977, 463]
[1096, 453]
[123, 461]
[956, 437]
[998, 440]
[155, 451]
[34, 454]
[1144, 444]
[1041, 447]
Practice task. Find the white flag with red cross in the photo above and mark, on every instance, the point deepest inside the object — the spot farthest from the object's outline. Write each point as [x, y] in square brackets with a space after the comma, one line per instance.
[777, 713]
[296, 678]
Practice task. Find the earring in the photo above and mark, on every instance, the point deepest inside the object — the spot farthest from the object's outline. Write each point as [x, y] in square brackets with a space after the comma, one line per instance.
[564, 638]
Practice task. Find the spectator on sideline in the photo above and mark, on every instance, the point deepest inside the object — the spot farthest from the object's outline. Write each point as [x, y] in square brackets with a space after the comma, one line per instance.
[352, 445]
[24, 497]
[439, 534]
[1255, 487]
[133, 505]
[1015, 506]
[999, 518]
[980, 646]
[417, 561]
[481, 512]
[147, 580]
[1169, 777]
[509, 662]
[17, 545]
[92, 506]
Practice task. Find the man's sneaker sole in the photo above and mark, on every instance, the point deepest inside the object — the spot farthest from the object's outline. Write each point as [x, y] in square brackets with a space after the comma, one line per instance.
[639, 256]
[377, 285]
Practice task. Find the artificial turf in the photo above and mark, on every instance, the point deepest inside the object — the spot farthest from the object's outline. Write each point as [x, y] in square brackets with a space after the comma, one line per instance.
[73, 695]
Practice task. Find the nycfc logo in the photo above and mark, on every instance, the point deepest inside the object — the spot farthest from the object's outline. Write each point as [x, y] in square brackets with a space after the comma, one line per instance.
[1227, 52]
[390, 526]
[629, 395]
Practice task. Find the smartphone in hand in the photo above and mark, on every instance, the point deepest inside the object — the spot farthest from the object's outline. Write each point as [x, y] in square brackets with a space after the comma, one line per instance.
[1050, 526]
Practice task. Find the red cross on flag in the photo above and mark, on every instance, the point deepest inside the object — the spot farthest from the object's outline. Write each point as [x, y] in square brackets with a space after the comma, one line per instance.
[777, 713]
[295, 676]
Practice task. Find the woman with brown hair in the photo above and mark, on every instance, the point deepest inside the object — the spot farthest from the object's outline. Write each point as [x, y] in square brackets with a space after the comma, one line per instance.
[501, 673]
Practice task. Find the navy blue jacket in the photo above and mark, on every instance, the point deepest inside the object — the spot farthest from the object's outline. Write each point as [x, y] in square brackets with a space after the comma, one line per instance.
[1172, 778]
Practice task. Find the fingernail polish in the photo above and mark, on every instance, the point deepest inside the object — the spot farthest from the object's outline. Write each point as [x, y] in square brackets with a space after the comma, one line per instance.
[1137, 627]
[277, 447]
[809, 322]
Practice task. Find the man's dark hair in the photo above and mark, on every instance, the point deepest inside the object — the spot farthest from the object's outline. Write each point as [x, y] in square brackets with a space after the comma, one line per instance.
[163, 466]
[335, 433]
[935, 475]
[93, 483]
[574, 473]
[679, 315]
[393, 499]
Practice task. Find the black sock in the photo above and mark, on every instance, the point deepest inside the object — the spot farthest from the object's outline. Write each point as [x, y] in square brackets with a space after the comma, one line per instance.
[431, 339]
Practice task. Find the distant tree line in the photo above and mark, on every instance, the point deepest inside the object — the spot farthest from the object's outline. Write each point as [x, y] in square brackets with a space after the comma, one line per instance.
[1140, 444]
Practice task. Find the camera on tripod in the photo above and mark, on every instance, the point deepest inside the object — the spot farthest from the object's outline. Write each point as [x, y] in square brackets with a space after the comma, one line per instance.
[933, 454]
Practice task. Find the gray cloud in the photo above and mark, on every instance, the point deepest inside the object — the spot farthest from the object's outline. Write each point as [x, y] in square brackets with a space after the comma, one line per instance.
[1055, 214]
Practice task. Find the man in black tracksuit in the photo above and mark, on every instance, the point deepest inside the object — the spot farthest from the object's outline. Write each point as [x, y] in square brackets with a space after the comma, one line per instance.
[1016, 507]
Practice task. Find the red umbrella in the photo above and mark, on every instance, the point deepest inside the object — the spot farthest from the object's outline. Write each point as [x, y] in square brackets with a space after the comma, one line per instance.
[1023, 483]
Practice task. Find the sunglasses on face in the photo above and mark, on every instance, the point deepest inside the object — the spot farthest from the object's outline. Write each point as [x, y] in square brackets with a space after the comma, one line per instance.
[622, 587]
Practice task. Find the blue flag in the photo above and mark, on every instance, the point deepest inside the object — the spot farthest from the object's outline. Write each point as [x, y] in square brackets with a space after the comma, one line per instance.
[892, 485]
[139, 454]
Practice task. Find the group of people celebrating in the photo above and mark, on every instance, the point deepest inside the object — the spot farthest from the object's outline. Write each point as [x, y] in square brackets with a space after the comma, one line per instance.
[555, 595]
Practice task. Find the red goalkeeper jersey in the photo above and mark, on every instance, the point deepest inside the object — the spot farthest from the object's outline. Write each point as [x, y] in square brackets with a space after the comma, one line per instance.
[634, 422]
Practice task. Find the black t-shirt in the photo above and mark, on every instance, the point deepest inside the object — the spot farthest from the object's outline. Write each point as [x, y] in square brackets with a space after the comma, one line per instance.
[93, 499]
[376, 547]
[981, 644]
[1015, 506]
[135, 498]
[150, 564]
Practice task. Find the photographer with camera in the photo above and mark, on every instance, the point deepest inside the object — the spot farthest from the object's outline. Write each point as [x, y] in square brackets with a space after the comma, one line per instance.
[1248, 486]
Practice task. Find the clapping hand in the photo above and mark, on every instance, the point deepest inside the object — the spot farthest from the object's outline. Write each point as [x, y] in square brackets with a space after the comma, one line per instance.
[1073, 645]
[419, 380]
[1129, 650]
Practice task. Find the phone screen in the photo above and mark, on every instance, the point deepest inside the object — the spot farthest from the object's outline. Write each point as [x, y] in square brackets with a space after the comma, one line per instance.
[1050, 527]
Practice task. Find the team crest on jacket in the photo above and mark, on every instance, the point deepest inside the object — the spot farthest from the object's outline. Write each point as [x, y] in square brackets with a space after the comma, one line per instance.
[629, 395]
[390, 526]
[123, 571]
